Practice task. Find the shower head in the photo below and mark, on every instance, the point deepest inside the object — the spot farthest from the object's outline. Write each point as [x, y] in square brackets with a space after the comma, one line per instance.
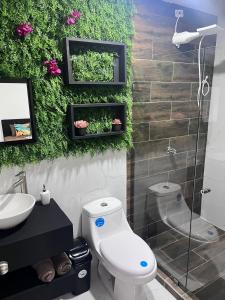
[186, 36]
[209, 30]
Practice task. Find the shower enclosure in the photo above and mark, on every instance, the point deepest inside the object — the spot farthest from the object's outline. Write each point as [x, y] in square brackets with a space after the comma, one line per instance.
[176, 194]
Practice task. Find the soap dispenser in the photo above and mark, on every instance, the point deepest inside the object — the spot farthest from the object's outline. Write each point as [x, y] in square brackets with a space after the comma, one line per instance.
[45, 196]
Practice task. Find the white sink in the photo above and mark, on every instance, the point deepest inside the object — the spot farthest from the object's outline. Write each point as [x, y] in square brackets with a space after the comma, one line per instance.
[14, 209]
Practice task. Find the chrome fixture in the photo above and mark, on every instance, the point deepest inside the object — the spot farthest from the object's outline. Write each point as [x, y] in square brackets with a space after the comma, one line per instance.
[22, 182]
[171, 151]
[205, 191]
[4, 267]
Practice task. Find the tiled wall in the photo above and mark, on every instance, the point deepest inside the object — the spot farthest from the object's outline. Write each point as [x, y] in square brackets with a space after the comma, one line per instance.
[165, 111]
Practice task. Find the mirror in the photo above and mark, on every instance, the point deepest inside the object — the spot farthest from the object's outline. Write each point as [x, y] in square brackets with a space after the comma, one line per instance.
[16, 112]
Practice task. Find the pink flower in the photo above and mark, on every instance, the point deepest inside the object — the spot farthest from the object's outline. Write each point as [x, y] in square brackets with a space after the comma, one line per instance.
[116, 122]
[75, 14]
[52, 67]
[70, 21]
[24, 29]
[81, 124]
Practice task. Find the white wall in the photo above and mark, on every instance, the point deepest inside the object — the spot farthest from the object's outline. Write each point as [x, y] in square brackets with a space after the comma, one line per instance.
[75, 181]
[213, 204]
[14, 103]
[208, 6]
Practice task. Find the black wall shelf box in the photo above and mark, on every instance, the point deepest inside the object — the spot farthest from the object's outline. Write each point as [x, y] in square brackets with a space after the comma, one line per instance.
[73, 45]
[119, 112]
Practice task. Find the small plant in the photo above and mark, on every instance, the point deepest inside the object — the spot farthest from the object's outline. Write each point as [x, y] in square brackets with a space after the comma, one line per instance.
[81, 127]
[116, 125]
[81, 124]
[93, 66]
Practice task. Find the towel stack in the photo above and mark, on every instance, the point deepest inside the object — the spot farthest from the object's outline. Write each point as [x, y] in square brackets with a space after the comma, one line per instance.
[48, 268]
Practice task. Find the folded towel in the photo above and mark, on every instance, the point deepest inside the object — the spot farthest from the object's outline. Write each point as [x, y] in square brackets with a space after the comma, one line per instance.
[45, 270]
[62, 263]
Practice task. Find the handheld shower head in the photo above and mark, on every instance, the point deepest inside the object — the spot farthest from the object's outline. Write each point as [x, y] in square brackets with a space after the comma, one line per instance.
[186, 36]
[209, 30]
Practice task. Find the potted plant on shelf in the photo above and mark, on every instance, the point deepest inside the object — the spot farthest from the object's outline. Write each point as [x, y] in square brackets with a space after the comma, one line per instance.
[81, 127]
[116, 125]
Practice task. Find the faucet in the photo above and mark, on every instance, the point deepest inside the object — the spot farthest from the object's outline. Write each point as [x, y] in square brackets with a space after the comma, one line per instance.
[22, 182]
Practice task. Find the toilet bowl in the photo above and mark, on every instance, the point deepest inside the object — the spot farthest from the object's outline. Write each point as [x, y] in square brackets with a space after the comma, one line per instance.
[126, 262]
[173, 211]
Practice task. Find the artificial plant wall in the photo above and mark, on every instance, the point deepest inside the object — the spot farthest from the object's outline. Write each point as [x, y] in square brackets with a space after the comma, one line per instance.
[24, 57]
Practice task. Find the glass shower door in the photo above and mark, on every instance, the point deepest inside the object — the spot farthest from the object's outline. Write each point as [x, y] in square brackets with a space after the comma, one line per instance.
[207, 280]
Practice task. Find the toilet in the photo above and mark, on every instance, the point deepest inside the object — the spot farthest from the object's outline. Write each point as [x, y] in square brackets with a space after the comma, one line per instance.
[126, 262]
[173, 210]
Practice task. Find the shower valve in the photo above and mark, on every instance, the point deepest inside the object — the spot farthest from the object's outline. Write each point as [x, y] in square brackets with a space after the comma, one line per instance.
[171, 151]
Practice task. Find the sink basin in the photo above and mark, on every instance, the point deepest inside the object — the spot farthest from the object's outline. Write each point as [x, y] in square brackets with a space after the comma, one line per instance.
[14, 209]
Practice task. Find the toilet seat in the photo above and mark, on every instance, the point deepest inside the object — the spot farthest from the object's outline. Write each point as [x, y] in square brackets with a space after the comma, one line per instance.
[128, 254]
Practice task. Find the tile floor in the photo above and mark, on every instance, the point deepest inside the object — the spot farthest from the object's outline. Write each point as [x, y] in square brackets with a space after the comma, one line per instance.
[206, 266]
[155, 291]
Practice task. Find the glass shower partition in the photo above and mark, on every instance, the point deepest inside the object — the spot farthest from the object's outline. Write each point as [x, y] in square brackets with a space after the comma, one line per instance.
[166, 190]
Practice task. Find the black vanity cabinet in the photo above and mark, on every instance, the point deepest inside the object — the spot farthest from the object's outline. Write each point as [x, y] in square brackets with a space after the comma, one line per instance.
[46, 232]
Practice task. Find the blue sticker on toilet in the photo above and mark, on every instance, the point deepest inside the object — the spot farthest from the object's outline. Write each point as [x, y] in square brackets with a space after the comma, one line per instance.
[143, 263]
[100, 222]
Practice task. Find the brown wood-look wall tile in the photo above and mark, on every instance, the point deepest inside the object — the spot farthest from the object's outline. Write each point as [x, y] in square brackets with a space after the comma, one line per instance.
[142, 46]
[167, 163]
[137, 169]
[145, 112]
[167, 129]
[184, 109]
[148, 70]
[170, 91]
[166, 51]
[141, 92]
[151, 149]
[182, 175]
[154, 26]
[141, 185]
[184, 143]
[193, 127]
[141, 132]
[185, 72]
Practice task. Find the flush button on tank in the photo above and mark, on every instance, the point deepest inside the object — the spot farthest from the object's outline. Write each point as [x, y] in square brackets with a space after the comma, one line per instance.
[103, 204]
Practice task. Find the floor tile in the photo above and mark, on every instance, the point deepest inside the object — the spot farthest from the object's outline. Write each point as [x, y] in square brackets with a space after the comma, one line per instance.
[210, 250]
[179, 247]
[205, 273]
[178, 266]
[214, 291]
[161, 240]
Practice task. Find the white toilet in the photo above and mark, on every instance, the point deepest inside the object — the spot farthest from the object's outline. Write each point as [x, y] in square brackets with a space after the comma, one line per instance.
[172, 209]
[126, 263]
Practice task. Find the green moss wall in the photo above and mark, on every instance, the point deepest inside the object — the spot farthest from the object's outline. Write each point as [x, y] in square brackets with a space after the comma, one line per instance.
[100, 19]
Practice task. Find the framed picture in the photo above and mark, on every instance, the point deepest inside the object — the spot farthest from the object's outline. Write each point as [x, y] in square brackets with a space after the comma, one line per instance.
[17, 124]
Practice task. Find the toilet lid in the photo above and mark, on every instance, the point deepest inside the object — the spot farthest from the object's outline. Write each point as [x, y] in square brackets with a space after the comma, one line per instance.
[128, 253]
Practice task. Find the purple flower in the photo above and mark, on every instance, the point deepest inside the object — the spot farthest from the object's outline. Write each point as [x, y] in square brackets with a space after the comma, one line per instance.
[52, 67]
[75, 14]
[24, 29]
[70, 21]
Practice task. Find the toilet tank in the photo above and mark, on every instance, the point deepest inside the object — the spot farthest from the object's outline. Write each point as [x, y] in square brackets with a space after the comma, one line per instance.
[102, 218]
[162, 199]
